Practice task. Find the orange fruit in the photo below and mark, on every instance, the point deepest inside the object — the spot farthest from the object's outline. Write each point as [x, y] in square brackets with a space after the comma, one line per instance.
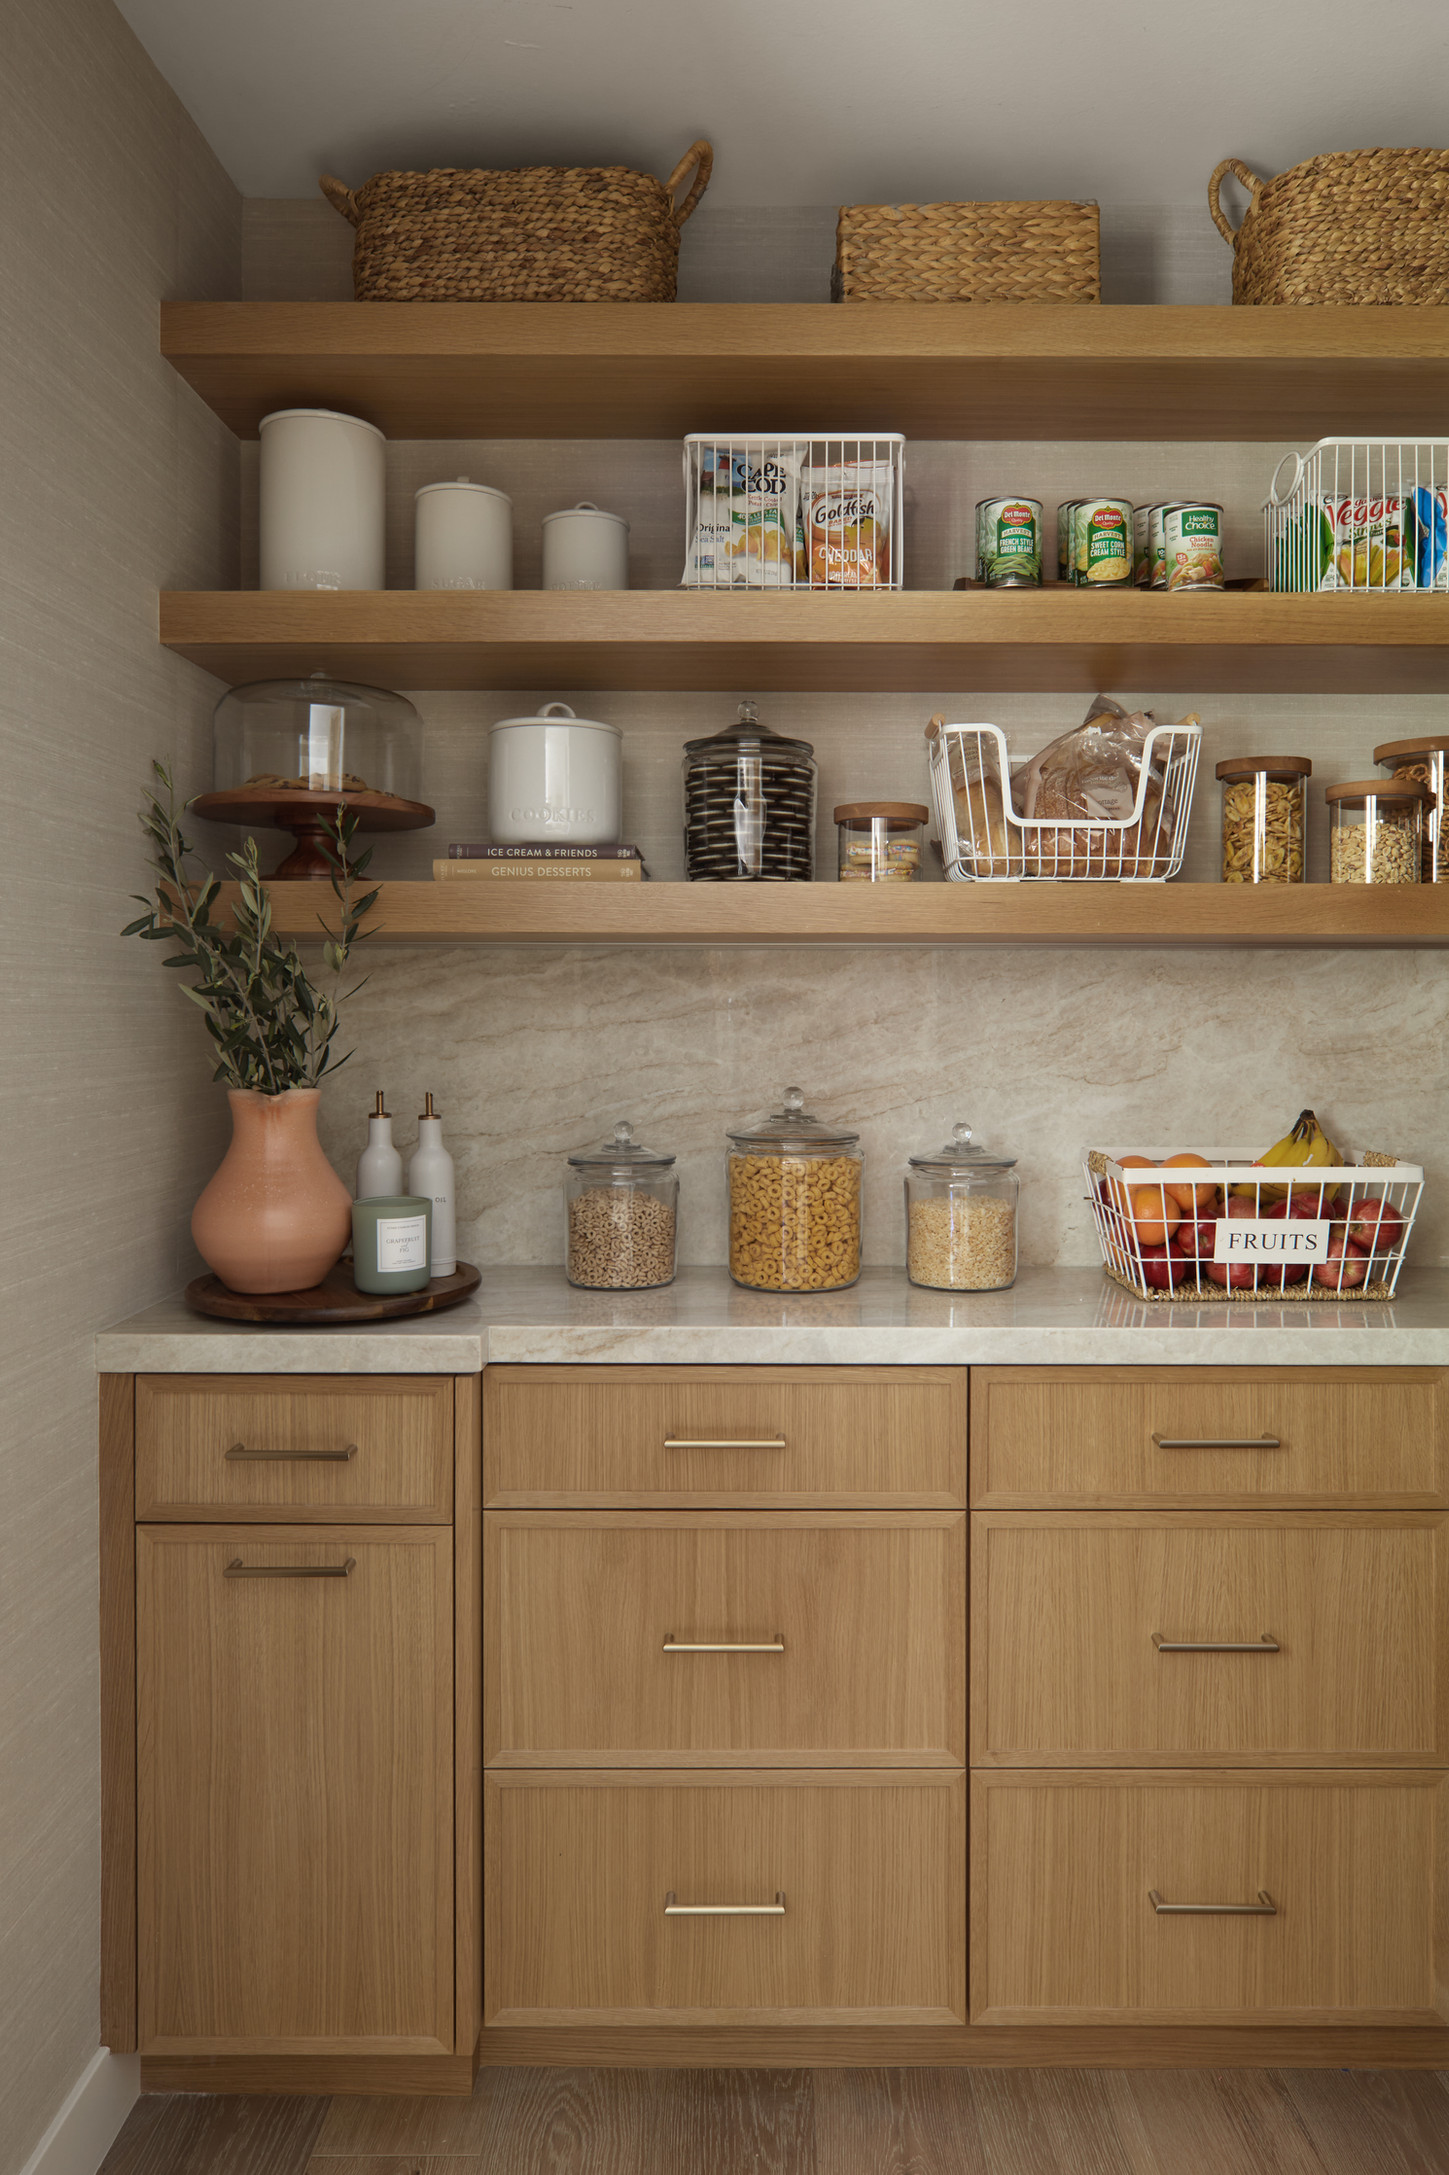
[1153, 1216]
[1191, 1196]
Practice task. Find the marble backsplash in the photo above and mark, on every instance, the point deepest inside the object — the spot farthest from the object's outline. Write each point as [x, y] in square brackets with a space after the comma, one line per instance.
[533, 1054]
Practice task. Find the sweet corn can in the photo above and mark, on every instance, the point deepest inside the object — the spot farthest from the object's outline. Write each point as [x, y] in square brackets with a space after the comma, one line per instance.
[1008, 543]
[1192, 546]
[1102, 542]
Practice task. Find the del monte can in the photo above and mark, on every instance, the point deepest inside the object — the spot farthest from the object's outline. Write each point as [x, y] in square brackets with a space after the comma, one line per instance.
[1008, 532]
[1102, 542]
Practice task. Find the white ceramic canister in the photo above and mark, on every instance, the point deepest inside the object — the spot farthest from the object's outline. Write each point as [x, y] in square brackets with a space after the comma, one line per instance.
[554, 776]
[322, 492]
[585, 548]
[463, 537]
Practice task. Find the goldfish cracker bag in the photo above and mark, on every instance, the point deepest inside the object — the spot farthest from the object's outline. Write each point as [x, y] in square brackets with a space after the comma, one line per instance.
[848, 525]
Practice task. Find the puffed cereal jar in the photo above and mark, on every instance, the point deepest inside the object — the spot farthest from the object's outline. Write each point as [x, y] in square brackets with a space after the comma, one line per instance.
[794, 1193]
[961, 1217]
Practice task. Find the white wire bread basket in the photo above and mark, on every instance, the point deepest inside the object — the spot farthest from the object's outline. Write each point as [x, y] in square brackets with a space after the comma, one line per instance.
[792, 510]
[985, 840]
[1320, 1232]
[1370, 516]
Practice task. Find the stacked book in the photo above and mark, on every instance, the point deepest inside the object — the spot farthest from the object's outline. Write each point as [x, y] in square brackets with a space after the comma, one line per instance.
[551, 863]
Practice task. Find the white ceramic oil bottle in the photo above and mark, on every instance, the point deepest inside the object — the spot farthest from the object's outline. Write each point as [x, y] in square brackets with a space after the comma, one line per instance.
[379, 1167]
[430, 1175]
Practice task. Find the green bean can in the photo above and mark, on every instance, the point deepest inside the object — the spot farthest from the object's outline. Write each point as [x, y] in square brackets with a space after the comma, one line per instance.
[1009, 530]
[1102, 542]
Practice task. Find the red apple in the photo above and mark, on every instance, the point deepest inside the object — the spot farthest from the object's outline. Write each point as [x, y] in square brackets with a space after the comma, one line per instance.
[1235, 1275]
[1376, 1225]
[1294, 1209]
[1197, 1240]
[1346, 1266]
[1163, 1266]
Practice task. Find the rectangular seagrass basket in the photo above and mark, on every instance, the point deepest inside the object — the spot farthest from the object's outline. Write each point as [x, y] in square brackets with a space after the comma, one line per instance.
[1048, 252]
[1352, 226]
[529, 234]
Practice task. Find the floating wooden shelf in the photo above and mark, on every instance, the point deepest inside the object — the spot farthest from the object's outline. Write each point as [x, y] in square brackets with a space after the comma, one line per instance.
[933, 641]
[516, 912]
[934, 370]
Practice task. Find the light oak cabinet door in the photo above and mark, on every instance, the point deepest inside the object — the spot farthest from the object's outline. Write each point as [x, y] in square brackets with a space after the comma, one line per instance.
[295, 1818]
[771, 1438]
[1107, 1638]
[295, 1447]
[1374, 1437]
[725, 1637]
[614, 1899]
[1341, 1874]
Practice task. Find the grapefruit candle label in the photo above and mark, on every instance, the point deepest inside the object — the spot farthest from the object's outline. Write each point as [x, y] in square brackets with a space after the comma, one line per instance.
[1281, 1239]
[402, 1243]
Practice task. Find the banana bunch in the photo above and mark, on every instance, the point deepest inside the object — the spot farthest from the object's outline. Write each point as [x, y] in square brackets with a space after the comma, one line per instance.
[1306, 1146]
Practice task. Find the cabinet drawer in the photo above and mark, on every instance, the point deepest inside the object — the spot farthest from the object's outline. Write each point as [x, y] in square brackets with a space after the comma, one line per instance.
[770, 1436]
[848, 1630]
[294, 1446]
[1145, 1435]
[295, 1789]
[871, 1869]
[1067, 1610]
[1065, 1866]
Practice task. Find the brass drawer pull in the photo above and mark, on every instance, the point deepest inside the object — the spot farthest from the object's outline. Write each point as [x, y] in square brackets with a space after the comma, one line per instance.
[724, 1646]
[239, 1450]
[691, 1442]
[1265, 1907]
[674, 1909]
[237, 1569]
[1216, 1442]
[1266, 1645]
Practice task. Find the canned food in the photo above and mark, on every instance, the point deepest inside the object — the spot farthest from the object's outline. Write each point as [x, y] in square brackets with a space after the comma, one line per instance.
[1192, 546]
[1156, 560]
[1009, 542]
[1064, 540]
[1141, 560]
[1102, 542]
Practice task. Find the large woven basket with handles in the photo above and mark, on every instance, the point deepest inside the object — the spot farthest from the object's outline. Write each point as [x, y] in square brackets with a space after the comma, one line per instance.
[1351, 226]
[526, 234]
[1049, 252]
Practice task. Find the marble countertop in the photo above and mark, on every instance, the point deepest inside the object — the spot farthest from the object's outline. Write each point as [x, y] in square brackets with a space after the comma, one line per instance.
[1060, 1317]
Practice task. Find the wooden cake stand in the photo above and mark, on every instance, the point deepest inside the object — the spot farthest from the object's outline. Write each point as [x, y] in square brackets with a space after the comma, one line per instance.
[310, 818]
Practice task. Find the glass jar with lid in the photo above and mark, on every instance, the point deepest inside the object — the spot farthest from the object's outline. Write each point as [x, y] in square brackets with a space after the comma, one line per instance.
[1425, 761]
[622, 1202]
[1265, 817]
[794, 1193]
[1378, 830]
[317, 735]
[749, 806]
[961, 1217]
[881, 842]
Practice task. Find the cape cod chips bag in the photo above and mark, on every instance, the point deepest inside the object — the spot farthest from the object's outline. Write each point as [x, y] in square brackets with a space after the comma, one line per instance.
[747, 524]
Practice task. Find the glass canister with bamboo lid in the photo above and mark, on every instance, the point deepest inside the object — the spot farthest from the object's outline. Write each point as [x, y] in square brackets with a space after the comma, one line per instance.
[1425, 761]
[1265, 818]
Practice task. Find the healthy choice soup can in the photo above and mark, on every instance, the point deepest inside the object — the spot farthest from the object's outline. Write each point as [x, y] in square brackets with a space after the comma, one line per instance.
[1102, 542]
[1192, 546]
[1008, 543]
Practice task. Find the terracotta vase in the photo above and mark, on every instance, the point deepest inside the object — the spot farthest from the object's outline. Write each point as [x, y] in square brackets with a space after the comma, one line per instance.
[275, 1216]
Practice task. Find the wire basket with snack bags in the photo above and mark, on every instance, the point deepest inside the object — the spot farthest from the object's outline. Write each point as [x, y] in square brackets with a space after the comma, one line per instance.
[792, 511]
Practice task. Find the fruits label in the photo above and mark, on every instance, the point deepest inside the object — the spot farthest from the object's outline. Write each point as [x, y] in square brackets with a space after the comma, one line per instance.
[1285, 1239]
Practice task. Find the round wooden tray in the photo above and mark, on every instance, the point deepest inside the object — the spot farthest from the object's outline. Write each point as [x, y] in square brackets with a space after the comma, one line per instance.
[335, 1299]
[310, 818]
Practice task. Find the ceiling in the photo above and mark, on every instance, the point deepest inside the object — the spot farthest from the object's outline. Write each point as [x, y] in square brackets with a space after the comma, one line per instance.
[857, 101]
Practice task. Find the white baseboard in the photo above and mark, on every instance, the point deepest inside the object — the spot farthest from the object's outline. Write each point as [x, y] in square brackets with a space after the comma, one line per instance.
[90, 2116]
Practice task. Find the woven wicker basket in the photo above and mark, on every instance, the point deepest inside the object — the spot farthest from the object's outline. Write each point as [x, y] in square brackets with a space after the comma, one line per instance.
[1352, 226]
[529, 234]
[967, 253]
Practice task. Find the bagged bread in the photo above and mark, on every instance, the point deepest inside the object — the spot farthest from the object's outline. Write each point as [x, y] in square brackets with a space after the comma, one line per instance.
[1093, 774]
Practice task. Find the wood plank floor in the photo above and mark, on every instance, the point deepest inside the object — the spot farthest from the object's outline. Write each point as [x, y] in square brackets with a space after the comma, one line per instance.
[821, 2122]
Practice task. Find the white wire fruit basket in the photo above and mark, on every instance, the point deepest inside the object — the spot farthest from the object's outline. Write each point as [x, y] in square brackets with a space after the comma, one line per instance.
[789, 510]
[984, 840]
[1228, 1228]
[1365, 515]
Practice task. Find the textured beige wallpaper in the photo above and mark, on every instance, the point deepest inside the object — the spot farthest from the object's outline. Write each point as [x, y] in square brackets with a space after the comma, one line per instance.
[114, 480]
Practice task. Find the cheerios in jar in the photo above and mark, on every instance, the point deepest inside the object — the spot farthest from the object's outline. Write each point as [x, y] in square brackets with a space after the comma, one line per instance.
[794, 1188]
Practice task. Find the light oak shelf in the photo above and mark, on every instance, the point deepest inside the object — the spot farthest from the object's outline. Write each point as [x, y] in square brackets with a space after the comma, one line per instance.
[480, 910]
[894, 642]
[934, 370]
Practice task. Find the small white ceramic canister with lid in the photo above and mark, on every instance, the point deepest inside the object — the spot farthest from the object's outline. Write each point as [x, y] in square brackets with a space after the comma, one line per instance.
[463, 537]
[322, 492]
[585, 548]
[554, 777]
